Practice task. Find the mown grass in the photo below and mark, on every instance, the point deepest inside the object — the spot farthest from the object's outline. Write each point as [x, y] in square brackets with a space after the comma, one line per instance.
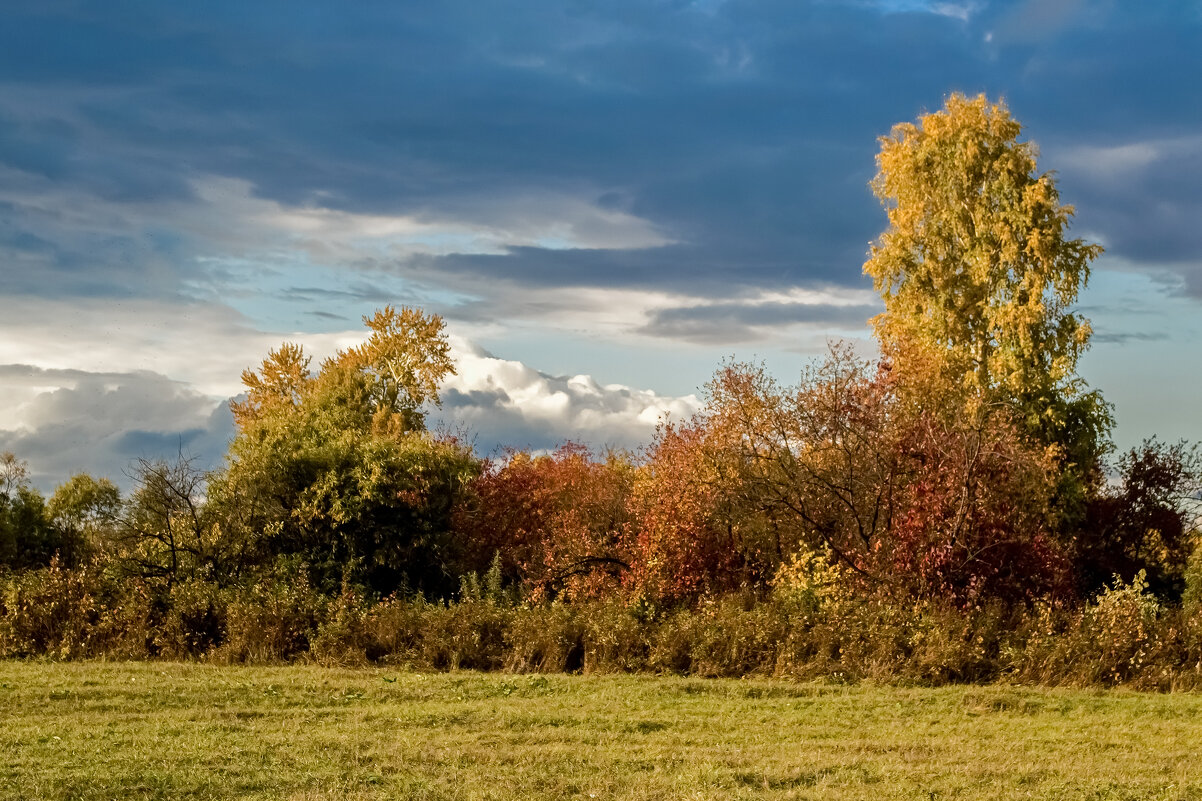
[158, 730]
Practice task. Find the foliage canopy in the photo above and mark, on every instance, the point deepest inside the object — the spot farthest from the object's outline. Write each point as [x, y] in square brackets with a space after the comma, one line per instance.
[977, 267]
[337, 467]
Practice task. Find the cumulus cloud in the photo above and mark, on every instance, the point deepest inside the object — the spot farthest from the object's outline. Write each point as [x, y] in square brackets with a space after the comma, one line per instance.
[506, 403]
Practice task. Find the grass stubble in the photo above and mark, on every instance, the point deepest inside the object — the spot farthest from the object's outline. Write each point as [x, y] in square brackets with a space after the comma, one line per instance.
[158, 730]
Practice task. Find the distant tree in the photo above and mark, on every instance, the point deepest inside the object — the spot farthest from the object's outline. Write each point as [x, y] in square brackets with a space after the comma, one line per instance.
[977, 268]
[1143, 523]
[13, 474]
[164, 531]
[85, 508]
[28, 538]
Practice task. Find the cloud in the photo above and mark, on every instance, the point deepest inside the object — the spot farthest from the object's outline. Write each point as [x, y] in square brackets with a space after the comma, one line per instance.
[1123, 337]
[715, 145]
[1138, 197]
[205, 345]
[67, 421]
[506, 403]
[962, 11]
[538, 136]
[1111, 163]
[718, 323]
[179, 190]
[1038, 20]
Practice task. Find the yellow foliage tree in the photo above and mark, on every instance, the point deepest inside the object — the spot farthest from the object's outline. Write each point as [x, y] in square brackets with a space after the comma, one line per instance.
[279, 384]
[979, 275]
[408, 356]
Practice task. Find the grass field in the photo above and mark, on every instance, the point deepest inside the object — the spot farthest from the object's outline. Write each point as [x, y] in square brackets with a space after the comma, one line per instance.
[152, 730]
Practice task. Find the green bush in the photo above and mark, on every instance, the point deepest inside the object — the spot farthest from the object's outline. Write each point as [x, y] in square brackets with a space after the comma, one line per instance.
[951, 645]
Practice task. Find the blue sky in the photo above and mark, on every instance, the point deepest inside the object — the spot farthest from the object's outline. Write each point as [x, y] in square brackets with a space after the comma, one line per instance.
[602, 199]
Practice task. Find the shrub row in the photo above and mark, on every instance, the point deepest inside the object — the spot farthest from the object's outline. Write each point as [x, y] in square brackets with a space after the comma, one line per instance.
[1124, 638]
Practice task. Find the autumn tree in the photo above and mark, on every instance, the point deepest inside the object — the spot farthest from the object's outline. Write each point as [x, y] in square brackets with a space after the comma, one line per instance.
[558, 522]
[276, 388]
[917, 497]
[973, 515]
[336, 467]
[693, 531]
[820, 458]
[977, 267]
[405, 359]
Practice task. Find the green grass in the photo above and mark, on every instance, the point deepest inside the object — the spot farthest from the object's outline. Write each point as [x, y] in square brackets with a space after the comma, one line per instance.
[154, 730]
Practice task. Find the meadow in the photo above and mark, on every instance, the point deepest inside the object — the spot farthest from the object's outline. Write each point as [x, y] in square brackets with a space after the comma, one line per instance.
[147, 730]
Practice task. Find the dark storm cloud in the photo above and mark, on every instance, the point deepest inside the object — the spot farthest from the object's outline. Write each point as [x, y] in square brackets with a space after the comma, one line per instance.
[742, 130]
[716, 127]
[1142, 199]
[1094, 81]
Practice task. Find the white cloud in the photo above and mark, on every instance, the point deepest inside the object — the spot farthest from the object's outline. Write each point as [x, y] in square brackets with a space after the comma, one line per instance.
[1114, 164]
[956, 10]
[620, 315]
[960, 11]
[204, 345]
[508, 403]
[1111, 162]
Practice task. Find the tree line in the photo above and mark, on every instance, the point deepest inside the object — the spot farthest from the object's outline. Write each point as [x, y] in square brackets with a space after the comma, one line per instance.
[968, 465]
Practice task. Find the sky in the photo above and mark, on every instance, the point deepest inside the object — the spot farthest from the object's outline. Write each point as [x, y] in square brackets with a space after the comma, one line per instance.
[604, 200]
